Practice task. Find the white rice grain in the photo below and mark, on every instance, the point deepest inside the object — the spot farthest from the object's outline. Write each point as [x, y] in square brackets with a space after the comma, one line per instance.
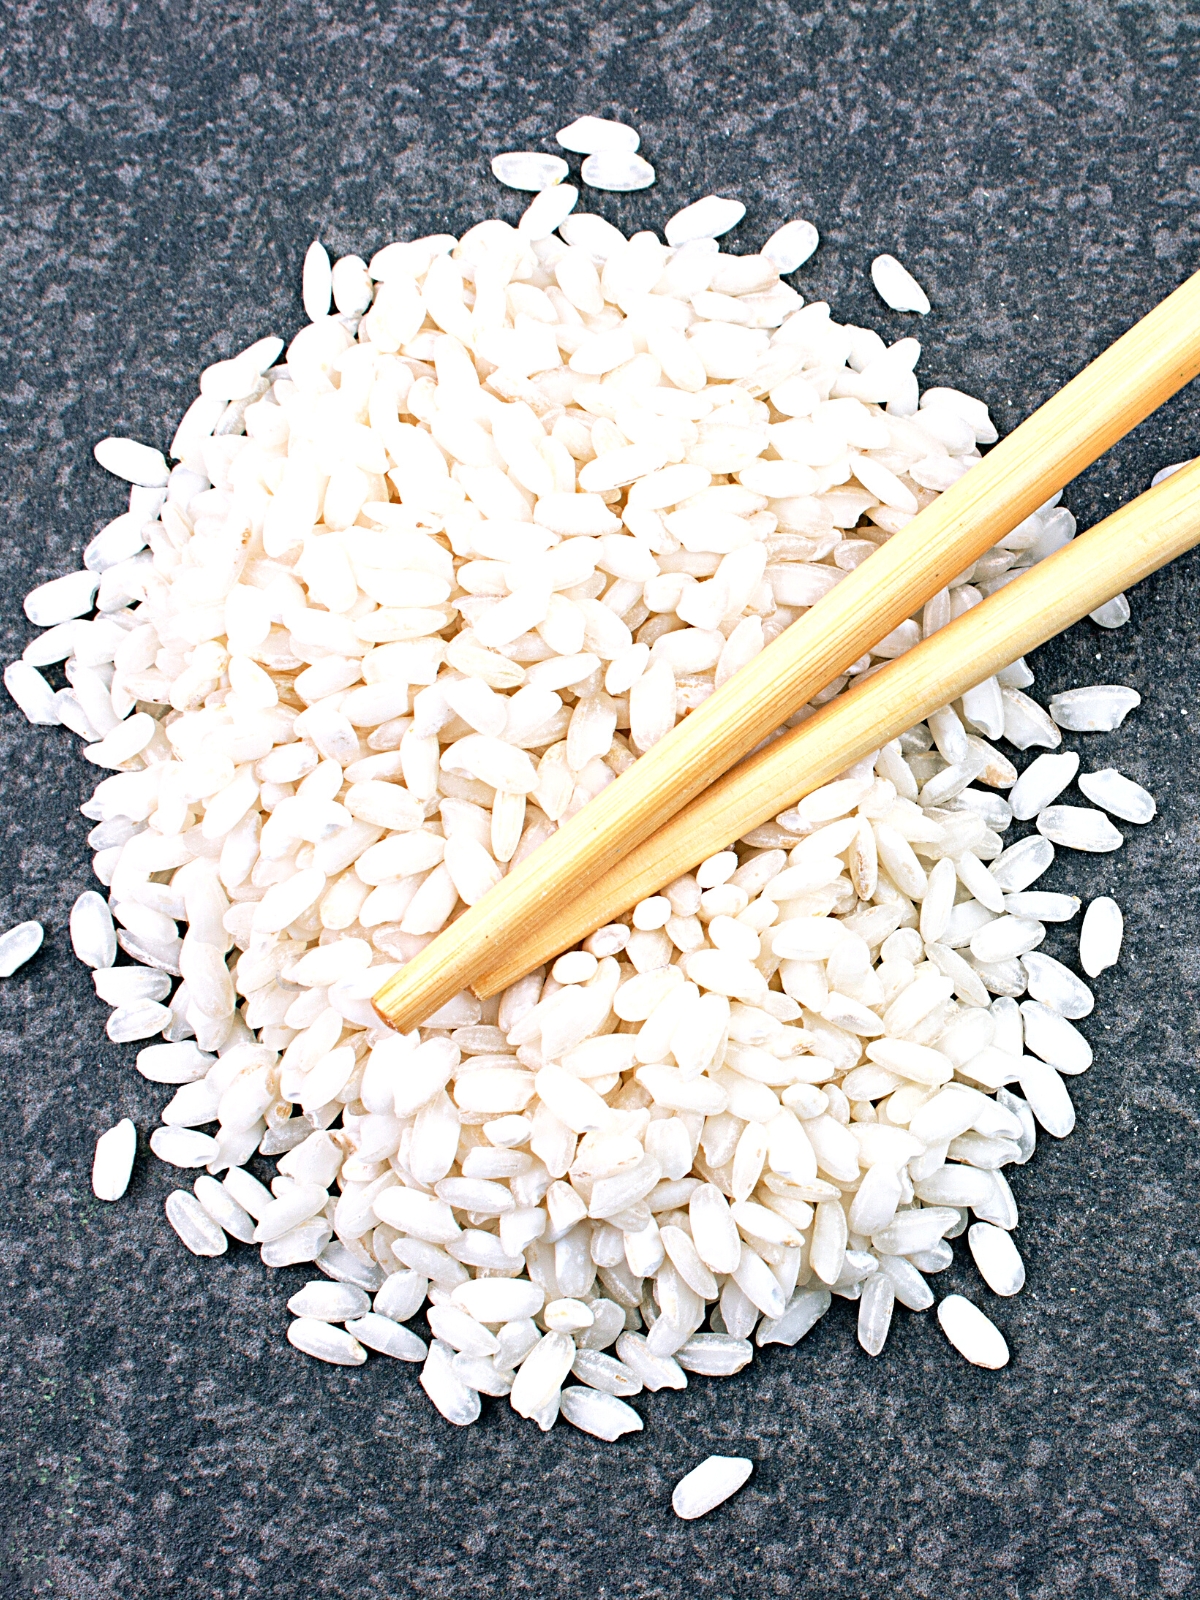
[601, 1415]
[1056, 986]
[1042, 782]
[592, 135]
[195, 1227]
[528, 169]
[224, 1209]
[1114, 613]
[93, 937]
[317, 282]
[706, 1486]
[19, 945]
[1052, 1037]
[1118, 795]
[704, 219]
[1079, 828]
[1047, 1096]
[329, 1302]
[999, 1262]
[1100, 936]
[974, 1336]
[452, 1397]
[112, 1165]
[325, 1342]
[139, 1020]
[183, 1147]
[620, 171]
[136, 463]
[1097, 709]
[548, 210]
[875, 1312]
[32, 694]
[897, 287]
[62, 599]
[790, 247]
[389, 1338]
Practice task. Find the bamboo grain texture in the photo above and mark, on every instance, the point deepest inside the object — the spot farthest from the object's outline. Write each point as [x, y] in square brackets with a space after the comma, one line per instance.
[1148, 364]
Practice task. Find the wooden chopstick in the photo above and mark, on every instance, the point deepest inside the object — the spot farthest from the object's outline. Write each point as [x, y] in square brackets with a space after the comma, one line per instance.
[1138, 539]
[1143, 368]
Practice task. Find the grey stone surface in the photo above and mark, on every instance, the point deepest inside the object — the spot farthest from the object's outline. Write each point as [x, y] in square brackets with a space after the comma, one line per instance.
[163, 169]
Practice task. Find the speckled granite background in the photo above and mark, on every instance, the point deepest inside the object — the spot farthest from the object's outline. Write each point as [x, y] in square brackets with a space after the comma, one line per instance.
[163, 168]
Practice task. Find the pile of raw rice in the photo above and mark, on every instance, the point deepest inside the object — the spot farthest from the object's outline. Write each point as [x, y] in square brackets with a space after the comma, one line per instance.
[514, 504]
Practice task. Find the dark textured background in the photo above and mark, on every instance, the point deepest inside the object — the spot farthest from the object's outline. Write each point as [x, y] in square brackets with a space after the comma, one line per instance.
[164, 167]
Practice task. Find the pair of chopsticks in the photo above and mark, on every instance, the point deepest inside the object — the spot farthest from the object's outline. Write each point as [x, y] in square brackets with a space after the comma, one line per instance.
[680, 802]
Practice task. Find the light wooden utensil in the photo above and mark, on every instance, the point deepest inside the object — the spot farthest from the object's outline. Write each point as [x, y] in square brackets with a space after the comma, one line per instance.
[1143, 368]
[1143, 536]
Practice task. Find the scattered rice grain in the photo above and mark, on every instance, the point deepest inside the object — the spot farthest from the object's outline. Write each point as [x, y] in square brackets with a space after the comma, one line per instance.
[706, 1486]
